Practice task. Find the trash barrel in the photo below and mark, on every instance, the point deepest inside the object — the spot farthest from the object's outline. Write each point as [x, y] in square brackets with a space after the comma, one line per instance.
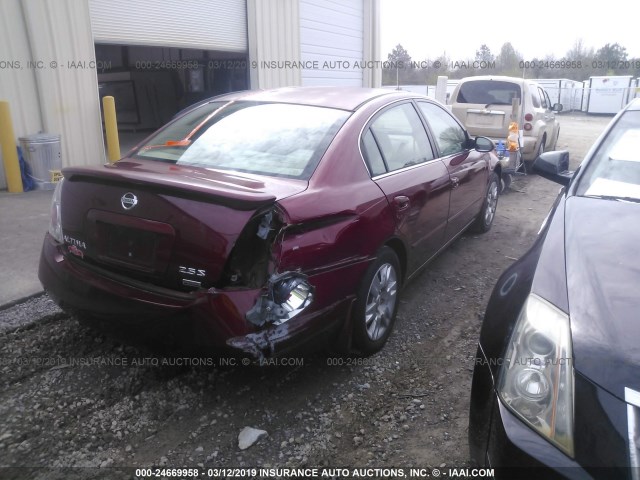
[42, 153]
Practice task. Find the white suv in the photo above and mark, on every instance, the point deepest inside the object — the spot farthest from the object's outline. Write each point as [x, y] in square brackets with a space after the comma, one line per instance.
[483, 105]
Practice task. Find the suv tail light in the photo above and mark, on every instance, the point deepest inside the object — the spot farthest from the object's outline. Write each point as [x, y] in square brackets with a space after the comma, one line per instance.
[527, 126]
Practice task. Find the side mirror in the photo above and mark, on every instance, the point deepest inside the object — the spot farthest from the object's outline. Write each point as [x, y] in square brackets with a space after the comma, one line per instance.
[554, 166]
[557, 107]
[483, 144]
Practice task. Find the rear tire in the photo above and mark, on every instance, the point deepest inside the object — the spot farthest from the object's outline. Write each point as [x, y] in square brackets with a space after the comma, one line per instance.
[488, 211]
[375, 310]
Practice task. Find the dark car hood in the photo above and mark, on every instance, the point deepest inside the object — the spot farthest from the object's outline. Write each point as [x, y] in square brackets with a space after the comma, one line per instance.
[603, 274]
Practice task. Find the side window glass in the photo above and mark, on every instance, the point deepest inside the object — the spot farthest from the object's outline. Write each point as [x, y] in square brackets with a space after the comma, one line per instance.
[535, 97]
[450, 137]
[372, 155]
[546, 96]
[401, 137]
[543, 98]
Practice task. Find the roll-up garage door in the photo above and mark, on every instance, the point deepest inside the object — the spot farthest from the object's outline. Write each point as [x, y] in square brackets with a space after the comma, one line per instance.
[331, 33]
[202, 24]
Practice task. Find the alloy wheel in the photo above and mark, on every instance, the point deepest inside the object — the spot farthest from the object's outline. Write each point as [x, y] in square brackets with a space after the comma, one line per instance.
[492, 203]
[381, 301]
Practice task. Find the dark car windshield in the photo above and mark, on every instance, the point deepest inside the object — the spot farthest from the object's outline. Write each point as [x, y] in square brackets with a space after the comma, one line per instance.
[272, 139]
[488, 92]
[614, 169]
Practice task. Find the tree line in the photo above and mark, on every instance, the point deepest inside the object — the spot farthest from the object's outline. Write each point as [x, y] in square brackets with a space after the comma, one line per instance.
[579, 63]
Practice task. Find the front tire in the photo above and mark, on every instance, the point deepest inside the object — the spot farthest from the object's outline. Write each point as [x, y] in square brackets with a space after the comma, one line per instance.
[488, 211]
[377, 303]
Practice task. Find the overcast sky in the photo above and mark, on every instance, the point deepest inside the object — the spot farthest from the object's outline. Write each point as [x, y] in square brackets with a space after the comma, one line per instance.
[428, 29]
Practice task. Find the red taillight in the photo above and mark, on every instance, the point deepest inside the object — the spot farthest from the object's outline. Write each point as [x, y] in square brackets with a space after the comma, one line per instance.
[528, 117]
[527, 127]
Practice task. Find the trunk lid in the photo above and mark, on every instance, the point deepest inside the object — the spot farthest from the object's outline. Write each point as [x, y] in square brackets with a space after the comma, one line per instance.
[172, 226]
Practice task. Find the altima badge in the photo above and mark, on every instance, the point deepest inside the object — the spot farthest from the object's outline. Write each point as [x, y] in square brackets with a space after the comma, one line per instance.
[128, 201]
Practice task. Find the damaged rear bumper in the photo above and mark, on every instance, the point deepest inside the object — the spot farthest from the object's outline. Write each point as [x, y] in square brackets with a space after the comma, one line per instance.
[213, 319]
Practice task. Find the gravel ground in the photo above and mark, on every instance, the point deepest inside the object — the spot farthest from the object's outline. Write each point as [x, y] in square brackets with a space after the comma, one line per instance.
[71, 397]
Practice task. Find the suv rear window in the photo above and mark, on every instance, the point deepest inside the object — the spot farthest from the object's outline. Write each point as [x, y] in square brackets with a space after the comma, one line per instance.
[488, 92]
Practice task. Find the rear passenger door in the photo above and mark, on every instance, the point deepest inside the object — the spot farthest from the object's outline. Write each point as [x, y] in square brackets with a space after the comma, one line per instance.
[403, 163]
[468, 169]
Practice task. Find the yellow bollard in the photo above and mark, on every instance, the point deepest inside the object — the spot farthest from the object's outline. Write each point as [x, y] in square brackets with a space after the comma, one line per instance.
[111, 127]
[9, 151]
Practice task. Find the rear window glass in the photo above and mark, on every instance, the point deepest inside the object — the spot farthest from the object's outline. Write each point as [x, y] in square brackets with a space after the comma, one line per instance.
[272, 139]
[488, 92]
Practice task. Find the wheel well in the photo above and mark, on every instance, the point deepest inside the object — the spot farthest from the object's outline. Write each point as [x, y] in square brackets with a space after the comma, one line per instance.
[398, 247]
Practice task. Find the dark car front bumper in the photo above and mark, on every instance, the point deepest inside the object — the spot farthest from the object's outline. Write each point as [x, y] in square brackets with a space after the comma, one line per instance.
[209, 318]
[500, 440]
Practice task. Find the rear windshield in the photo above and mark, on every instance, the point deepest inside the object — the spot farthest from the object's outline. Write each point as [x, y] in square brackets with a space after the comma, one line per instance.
[272, 139]
[488, 92]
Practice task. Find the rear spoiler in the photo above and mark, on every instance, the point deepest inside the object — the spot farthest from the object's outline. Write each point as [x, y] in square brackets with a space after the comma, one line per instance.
[207, 190]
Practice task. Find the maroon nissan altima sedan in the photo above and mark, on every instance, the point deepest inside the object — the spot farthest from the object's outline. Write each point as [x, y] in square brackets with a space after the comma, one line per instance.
[267, 221]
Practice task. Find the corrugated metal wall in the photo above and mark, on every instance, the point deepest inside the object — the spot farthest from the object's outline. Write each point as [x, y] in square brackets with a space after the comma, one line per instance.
[207, 24]
[372, 75]
[60, 34]
[274, 37]
[17, 81]
[57, 92]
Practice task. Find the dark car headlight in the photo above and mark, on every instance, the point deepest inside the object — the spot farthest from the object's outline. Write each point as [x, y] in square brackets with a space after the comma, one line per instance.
[536, 379]
[55, 223]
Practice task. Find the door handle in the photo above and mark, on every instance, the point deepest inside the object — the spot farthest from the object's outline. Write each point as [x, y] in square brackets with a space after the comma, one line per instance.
[401, 202]
[455, 182]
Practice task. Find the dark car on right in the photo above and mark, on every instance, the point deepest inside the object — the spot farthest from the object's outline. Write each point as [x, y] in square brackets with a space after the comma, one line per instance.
[556, 383]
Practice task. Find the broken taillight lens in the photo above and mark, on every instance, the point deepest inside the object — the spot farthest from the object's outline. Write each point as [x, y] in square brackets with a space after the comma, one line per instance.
[287, 295]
